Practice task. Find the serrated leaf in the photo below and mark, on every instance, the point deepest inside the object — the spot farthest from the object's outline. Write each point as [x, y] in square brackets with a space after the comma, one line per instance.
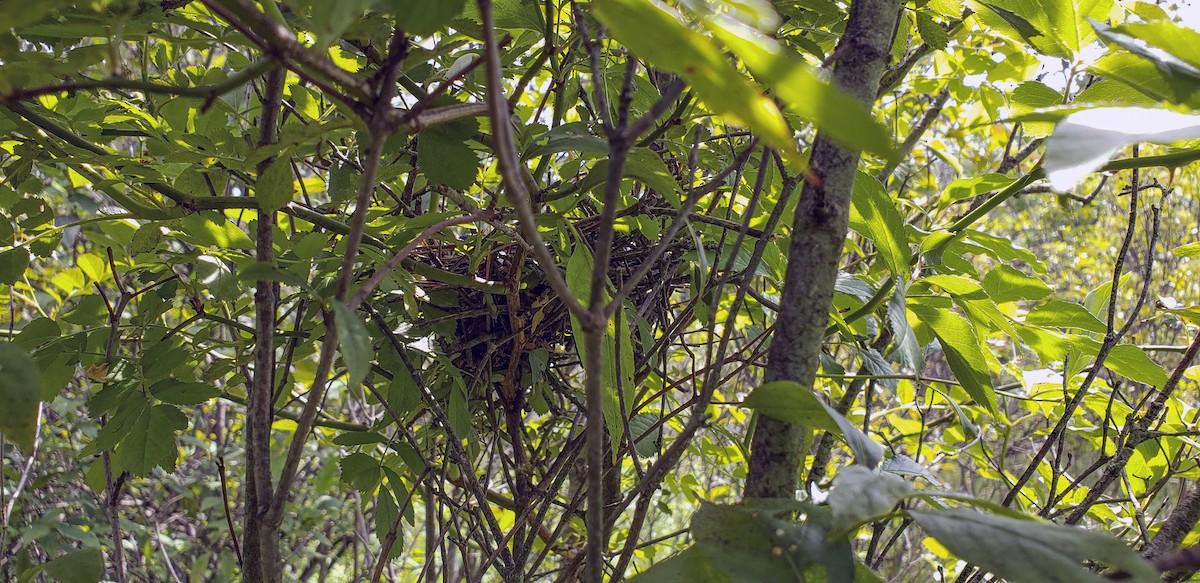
[20, 392]
[182, 393]
[150, 442]
[860, 495]
[387, 513]
[275, 186]
[425, 17]
[931, 32]
[13, 263]
[1030, 551]
[145, 239]
[354, 342]
[82, 566]
[361, 471]
[444, 155]
[343, 183]
[874, 364]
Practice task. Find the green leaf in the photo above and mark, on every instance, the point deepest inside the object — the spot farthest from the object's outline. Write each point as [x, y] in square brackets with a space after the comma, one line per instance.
[386, 514]
[874, 215]
[964, 188]
[1007, 284]
[352, 438]
[444, 154]
[266, 271]
[425, 17]
[791, 402]
[354, 342]
[211, 229]
[1031, 551]
[1058, 314]
[145, 239]
[13, 263]
[643, 165]
[906, 350]
[361, 471]
[82, 566]
[569, 137]
[1166, 46]
[1131, 362]
[803, 92]
[1019, 23]
[275, 187]
[860, 495]
[150, 442]
[747, 544]
[646, 432]
[963, 350]
[343, 183]
[177, 392]
[20, 388]
[867, 452]
[689, 566]
[655, 33]
[616, 367]
[931, 32]
[1188, 250]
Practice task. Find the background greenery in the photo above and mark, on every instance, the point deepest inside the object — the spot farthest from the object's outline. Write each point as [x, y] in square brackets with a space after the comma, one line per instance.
[300, 291]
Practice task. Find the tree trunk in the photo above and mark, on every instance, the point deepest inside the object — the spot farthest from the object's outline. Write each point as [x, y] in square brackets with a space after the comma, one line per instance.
[819, 230]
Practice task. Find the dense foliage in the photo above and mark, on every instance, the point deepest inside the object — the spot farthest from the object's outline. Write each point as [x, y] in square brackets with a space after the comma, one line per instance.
[550, 290]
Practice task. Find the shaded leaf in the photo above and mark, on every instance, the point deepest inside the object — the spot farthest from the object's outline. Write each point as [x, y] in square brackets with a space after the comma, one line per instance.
[82, 566]
[860, 495]
[361, 471]
[1028, 550]
[354, 342]
[275, 187]
[20, 383]
[423, 17]
[178, 392]
[150, 442]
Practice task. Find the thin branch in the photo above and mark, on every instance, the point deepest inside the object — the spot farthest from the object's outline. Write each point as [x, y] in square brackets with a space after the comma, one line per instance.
[510, 167]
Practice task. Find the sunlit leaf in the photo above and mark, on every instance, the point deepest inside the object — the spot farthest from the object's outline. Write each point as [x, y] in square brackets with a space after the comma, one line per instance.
[655, 32]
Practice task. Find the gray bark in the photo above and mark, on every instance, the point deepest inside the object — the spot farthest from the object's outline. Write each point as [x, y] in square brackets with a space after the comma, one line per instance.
[820, 225]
